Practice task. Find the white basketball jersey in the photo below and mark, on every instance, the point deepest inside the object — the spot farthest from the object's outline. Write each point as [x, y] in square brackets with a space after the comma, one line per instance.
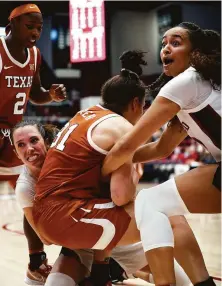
[203, 123]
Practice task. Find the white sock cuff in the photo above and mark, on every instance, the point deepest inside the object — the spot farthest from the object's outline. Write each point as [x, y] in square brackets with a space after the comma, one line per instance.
[59, 279]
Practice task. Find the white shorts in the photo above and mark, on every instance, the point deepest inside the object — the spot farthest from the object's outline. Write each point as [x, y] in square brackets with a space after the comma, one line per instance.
[130, 257]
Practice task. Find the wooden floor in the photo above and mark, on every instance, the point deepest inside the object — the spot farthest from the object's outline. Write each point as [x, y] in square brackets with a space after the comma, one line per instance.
[14, 254]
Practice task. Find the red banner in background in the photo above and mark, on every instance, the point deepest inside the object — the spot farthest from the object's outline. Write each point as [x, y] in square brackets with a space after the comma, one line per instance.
[87, 30]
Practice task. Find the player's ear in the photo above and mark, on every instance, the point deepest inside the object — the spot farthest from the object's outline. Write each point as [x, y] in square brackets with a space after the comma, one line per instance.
[47, 144]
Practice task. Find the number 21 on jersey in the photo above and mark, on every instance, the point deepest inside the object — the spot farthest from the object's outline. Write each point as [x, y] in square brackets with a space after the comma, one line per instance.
[65, 132]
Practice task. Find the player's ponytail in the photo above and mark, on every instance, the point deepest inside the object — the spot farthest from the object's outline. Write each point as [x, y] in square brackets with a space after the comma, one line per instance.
[119, 90]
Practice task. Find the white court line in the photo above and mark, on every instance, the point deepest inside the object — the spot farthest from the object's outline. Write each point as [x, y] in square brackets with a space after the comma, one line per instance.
[7, 197]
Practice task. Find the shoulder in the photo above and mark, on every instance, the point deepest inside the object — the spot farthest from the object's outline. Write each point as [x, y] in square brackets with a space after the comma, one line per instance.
[38, 52]
[189, 77]
[107, 132]
[37, 56]
[25, 177]
[114, 125]
[184, 88]
[25, 189]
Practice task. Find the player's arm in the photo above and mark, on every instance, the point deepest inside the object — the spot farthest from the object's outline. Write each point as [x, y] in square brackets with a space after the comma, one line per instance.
[25, 197]
[173, 135]
[39, 95]
[123, 184]
[28, 214]
[161, 111]
[124, 180]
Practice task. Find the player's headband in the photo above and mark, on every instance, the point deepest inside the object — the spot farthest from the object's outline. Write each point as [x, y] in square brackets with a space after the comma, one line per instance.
[24, 9]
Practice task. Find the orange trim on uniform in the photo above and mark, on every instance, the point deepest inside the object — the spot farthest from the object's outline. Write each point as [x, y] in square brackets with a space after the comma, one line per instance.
[24, 9]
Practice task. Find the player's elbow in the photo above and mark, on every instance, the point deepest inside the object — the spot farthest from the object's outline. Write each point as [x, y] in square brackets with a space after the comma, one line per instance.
[167, 153]
[119, 199]
[164, 151]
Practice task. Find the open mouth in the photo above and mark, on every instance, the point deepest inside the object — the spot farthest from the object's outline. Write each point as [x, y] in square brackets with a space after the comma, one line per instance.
[167, 61]
[32, 158]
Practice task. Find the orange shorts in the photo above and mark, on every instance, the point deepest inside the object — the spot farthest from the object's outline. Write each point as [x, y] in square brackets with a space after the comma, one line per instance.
[95, 224]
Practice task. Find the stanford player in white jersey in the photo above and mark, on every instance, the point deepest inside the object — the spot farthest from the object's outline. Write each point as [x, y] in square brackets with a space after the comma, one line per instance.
[191, 60]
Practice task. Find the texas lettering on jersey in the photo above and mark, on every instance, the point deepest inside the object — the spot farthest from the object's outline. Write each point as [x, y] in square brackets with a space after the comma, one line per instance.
[15, 82]
[19, 81]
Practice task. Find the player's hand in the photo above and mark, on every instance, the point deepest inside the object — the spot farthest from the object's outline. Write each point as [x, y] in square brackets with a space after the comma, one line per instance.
[58, 92]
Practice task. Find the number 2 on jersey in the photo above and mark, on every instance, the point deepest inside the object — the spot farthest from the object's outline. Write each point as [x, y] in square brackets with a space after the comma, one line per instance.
[18, 107]
[66, 131]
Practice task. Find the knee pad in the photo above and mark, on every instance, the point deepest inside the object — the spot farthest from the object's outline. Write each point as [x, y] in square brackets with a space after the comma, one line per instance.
[152, 208]
[59, 279]
[163, 198]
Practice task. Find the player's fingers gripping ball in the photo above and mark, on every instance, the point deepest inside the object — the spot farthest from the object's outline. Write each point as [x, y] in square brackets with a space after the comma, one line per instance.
[58, 92]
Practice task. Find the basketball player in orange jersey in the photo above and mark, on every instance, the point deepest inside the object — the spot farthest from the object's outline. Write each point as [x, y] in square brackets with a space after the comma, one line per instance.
[31, 140]
[20, 81]
[70, 208]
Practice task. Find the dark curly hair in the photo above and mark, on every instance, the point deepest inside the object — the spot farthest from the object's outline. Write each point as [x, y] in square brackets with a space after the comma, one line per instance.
[118, 91]
[47, 131]
[206, 52]
[205, 56]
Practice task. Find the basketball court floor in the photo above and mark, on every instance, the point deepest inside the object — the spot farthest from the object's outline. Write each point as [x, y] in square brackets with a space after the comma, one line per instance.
[14, 254]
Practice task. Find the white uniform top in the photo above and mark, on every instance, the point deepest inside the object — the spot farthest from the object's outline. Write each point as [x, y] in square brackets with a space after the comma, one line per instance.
[200, 105]
[25, 189]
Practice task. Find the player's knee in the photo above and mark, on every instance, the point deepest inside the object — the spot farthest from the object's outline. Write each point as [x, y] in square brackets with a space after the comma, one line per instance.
[179, 222]
[163, 198]
[142, 207]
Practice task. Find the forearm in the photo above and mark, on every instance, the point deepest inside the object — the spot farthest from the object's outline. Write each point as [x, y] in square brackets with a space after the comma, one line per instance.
[160, 112]
[150, 152]
[40, 96]
[162, 148]
[123, 184]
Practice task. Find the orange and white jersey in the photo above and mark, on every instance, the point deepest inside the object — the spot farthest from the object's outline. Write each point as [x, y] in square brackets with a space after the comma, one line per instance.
[73, 163]
[200, 105]
[15, 84]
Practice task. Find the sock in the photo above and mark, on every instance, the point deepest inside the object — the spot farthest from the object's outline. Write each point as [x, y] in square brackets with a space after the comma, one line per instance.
[59, 279]
[100, 274]
[36, 260]
[117, 273]
[208, 282]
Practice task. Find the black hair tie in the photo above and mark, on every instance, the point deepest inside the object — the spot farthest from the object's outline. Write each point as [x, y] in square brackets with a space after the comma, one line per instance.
[130, 74]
